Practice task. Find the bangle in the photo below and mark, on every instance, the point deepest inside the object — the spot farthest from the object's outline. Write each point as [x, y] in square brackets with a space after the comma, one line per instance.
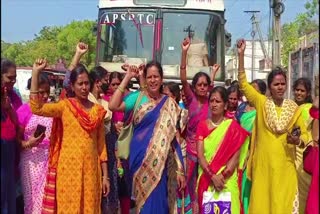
[144, 86]
[121, 89]
[179, 173]
[208, 171]
[105, 177]
[34, 92]
[182, 67]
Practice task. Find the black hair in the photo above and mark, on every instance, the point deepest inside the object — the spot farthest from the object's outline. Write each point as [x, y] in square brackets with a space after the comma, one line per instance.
[174, 89]
[115, 75]
[222, 91]
[276, 71]
[261, 85]
[307, 85]
[6, 64]
[97, 73]
[79, 69]
[149, 65]
[43, 79]
[197, 76]
[232, 89]
[234, 83]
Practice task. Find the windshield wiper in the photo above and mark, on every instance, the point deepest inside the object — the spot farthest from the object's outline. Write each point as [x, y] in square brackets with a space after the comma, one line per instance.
[138, 26]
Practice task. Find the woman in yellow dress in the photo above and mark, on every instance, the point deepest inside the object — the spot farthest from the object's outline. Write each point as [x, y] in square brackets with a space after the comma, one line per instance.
[302, 96]
[271, 166]
[77, 147]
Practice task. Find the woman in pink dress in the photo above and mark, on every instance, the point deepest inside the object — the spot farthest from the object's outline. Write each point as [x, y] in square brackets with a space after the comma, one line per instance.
[34, 154]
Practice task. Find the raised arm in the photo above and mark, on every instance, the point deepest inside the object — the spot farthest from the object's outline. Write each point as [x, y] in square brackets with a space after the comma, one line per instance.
[252, 95]
[183, 73]
[116, 103]
[215, 69]
[81, 49]
[37, 106]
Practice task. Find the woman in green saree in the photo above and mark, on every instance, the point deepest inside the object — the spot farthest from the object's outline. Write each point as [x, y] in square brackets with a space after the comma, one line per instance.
[221, 151]
[246, 115]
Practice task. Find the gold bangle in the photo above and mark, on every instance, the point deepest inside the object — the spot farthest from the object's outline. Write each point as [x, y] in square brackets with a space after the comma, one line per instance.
[105, 177]
[34, 92]
[144, 86]
[121, 89]
[179, 173]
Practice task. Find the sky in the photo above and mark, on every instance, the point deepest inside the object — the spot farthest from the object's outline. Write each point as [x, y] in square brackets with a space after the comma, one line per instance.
[22, 19]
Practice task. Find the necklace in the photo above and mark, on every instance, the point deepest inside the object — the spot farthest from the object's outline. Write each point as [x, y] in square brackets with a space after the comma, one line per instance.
[216, 124]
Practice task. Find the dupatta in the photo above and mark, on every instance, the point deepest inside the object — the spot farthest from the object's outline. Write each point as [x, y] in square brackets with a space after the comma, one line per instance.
[222, 143]
[151, 142]
[89, 121]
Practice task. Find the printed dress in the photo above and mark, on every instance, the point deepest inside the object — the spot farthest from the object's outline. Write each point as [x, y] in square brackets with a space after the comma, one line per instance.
[34, 161]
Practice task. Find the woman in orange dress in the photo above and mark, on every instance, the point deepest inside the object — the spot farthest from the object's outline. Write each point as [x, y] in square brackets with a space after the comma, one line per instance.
[77, 147]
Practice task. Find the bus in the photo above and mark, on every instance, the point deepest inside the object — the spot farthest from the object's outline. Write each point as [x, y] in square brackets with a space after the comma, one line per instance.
[137, 31]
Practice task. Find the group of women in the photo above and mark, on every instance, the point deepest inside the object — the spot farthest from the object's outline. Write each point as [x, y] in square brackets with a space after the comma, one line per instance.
[212, 142]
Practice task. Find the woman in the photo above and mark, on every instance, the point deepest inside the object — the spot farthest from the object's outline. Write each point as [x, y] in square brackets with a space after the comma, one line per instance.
[197, 106]
[302, 97]
[77, 147]
[311, 161]
[271, 163]
[153, 137]
[246, 115]
[35, 150]
[10, 102]
[233, 101]
[219, 143]
[172, 90]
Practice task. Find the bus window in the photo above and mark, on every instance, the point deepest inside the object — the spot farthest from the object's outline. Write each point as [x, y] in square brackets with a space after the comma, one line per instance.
[202, 28]
[126, 37]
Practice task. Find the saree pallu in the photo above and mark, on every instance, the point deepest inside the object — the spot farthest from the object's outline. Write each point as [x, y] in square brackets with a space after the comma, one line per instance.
[219, 147]
[247, 120]
[154, 132]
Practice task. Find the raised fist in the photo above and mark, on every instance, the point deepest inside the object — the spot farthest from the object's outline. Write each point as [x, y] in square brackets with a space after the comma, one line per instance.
[241, 45]
[185, 44]
[82, 48]
[39, 64]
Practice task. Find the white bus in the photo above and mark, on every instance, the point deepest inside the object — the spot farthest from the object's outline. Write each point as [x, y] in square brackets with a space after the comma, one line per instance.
[137, 31]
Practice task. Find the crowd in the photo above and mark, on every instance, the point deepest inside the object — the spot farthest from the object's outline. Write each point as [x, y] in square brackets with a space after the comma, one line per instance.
[103, 148]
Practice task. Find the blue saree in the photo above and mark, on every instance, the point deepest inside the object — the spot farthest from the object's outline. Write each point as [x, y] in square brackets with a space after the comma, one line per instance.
[153, 139]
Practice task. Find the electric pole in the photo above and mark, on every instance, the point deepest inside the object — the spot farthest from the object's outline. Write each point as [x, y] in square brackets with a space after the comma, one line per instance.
[277, 9]
[253, 33]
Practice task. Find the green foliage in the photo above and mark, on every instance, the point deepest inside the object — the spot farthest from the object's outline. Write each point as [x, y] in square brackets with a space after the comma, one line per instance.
[302, 25]
[53, 43]
[312, 8]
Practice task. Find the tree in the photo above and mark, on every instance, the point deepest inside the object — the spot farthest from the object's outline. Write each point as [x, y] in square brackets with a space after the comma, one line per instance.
[291, 32]
[53, 43]
[312, 8]
[73, 33]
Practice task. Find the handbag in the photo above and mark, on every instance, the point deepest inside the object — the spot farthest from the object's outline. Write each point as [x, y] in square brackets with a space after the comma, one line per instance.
[126, 133]
[212, 204]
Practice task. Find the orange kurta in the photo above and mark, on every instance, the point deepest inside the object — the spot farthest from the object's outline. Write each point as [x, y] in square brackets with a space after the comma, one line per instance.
[78, 172]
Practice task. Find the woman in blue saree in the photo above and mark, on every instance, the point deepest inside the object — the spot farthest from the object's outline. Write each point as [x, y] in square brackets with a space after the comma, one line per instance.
[155, 122]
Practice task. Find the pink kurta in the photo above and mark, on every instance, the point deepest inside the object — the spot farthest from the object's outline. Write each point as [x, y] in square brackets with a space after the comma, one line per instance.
[34, 161]
[311, 165]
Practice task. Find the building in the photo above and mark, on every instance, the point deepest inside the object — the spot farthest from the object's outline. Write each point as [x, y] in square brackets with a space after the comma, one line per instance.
[304, 61]
[260, 68]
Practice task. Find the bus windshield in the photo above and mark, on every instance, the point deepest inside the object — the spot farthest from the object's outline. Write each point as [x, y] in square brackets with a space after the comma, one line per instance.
[126, 37]
[200, 28]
